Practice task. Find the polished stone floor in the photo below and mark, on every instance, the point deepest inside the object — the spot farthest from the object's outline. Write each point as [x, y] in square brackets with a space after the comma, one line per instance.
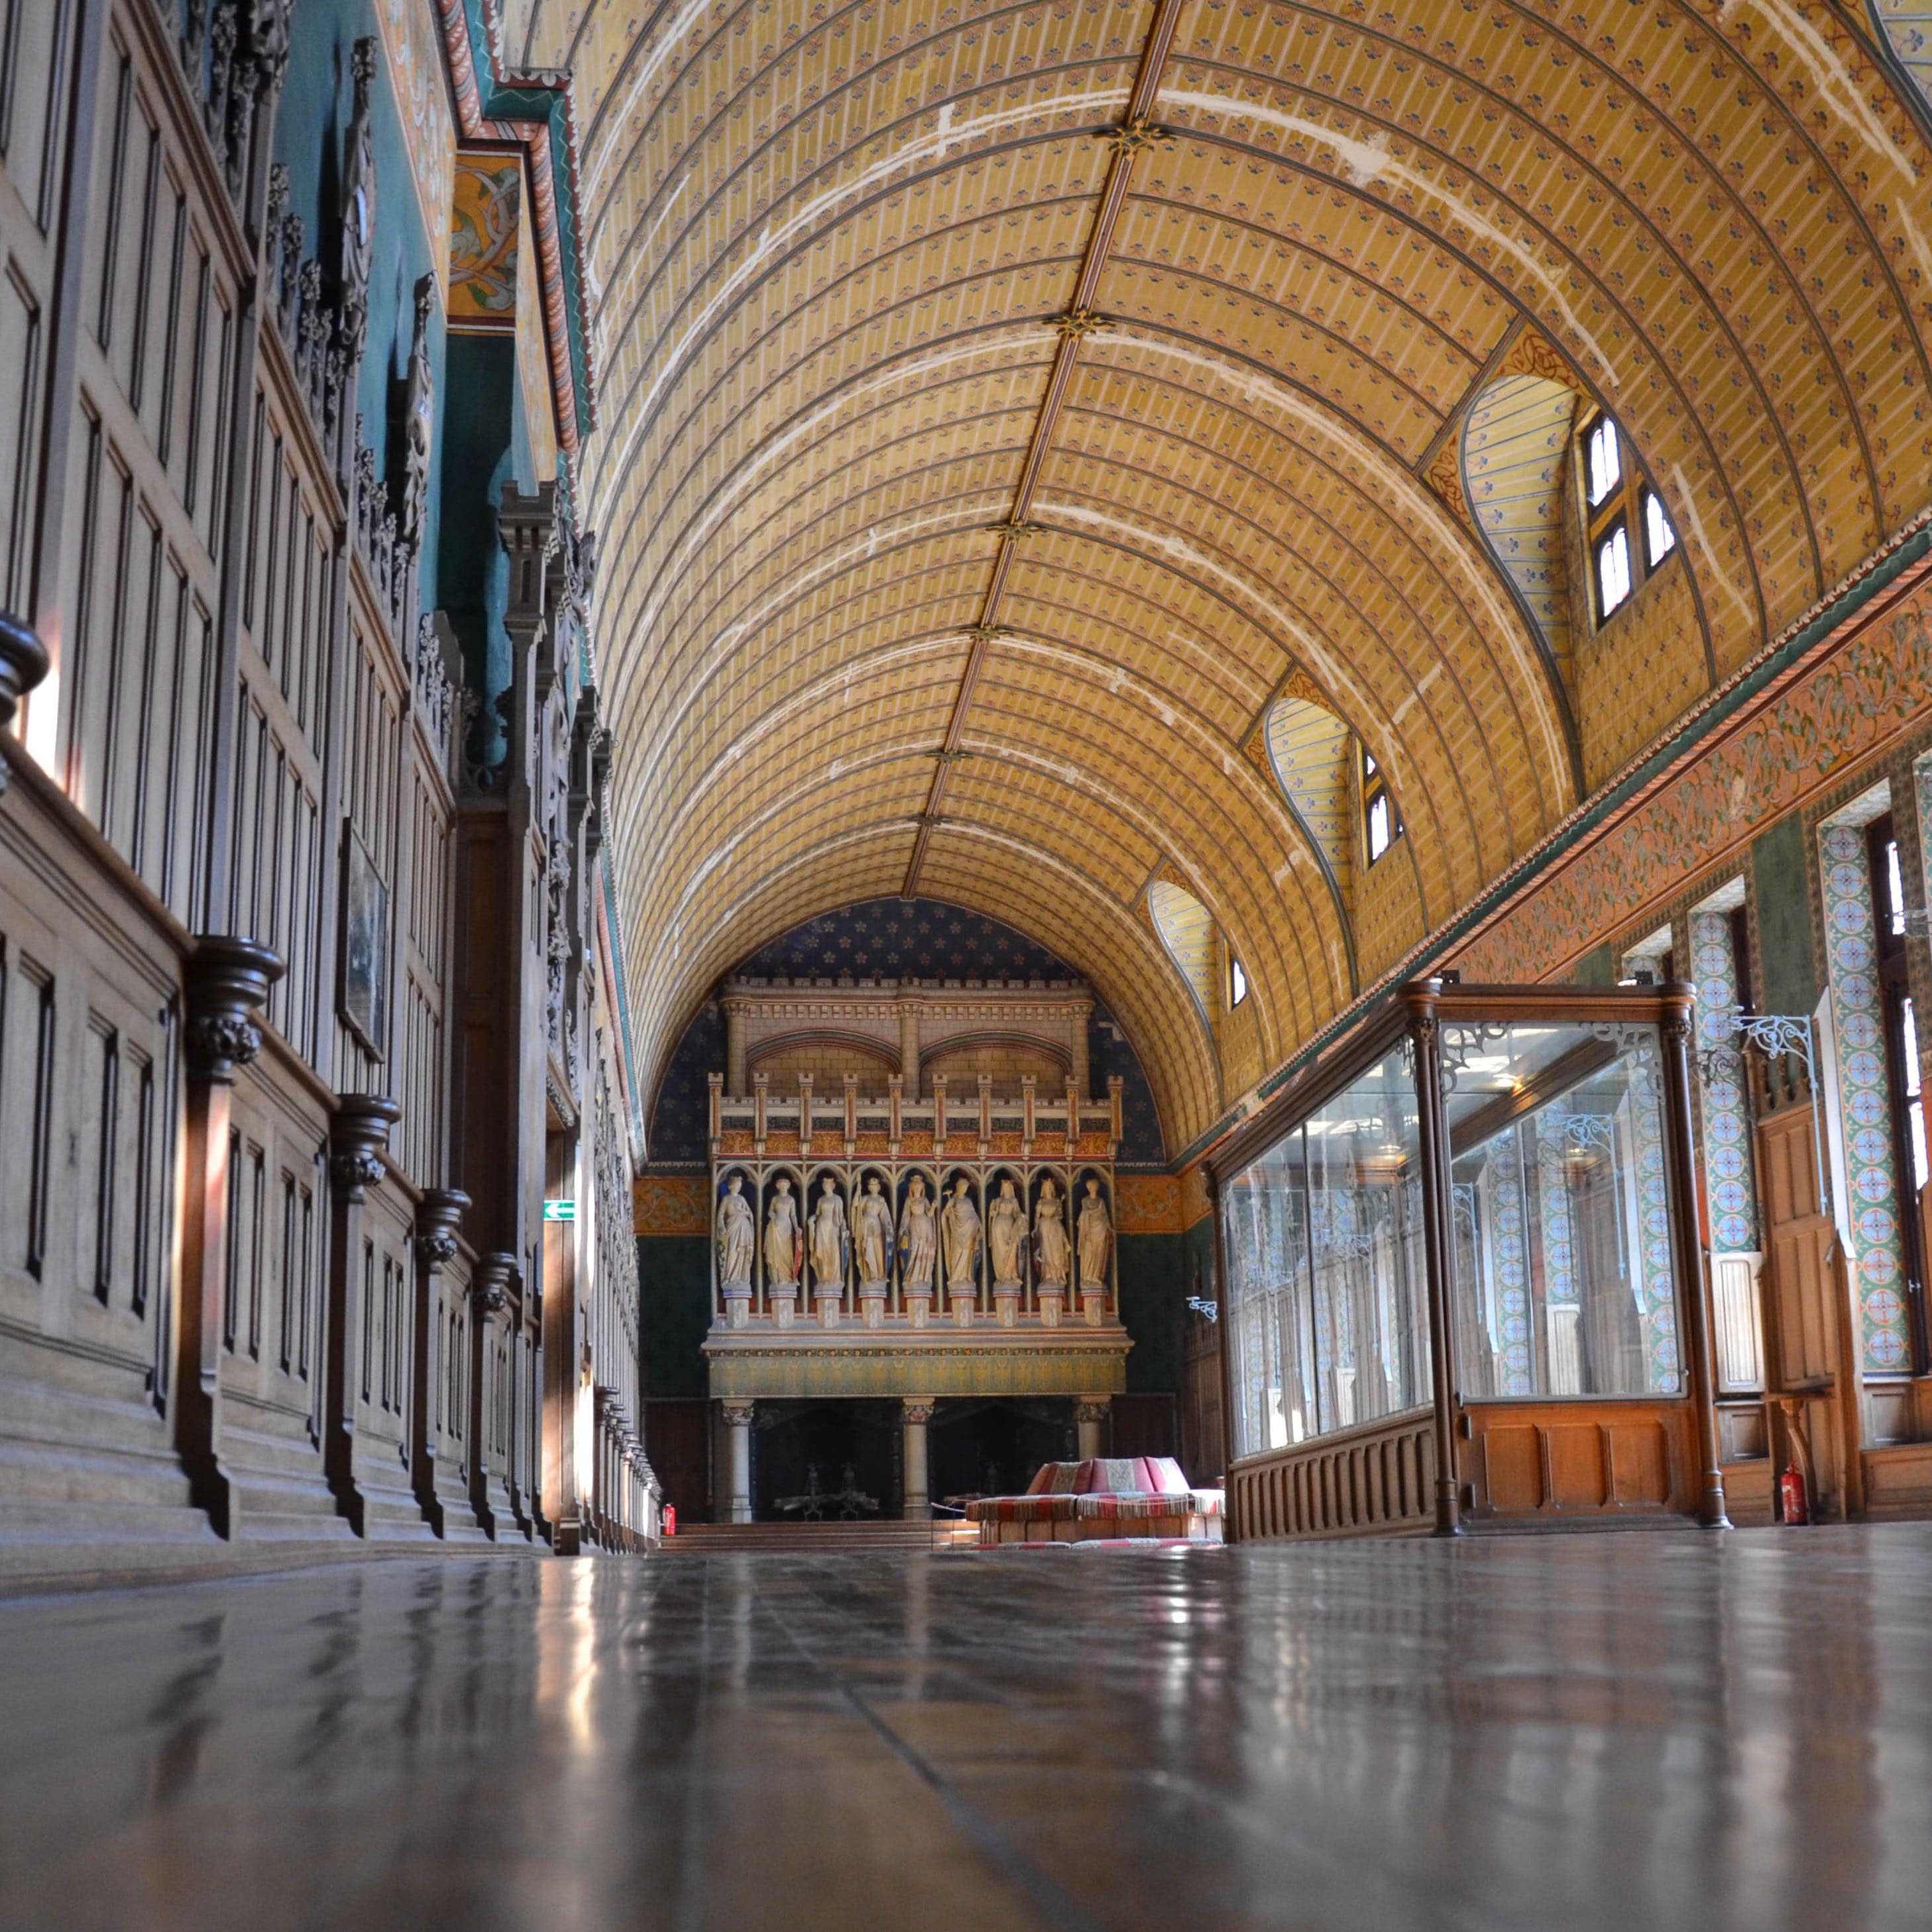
[1618, 1732]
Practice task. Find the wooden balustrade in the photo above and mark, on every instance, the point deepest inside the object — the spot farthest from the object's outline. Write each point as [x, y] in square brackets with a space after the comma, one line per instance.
[1376, 1480]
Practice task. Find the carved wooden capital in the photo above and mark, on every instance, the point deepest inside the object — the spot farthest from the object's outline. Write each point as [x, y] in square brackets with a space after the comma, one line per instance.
[489, 1290]
[225, 980]
[916, 1412]
[1092, 1408]
[23, 663]
[358, 1132]
[740, 1414]
[439, 1214]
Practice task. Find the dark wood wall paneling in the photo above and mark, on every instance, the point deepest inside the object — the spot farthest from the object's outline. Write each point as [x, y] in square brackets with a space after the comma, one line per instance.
[231, 1275]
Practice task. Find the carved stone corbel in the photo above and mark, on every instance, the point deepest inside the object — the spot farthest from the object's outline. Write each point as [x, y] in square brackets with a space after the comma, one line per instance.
[224, 982]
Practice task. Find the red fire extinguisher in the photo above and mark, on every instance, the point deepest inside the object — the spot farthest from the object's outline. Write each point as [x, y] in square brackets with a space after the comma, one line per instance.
[1792, 1506]
[671, 1514]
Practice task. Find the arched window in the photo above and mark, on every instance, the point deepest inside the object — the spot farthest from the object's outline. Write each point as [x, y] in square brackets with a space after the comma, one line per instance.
[1237, 981]
[1382, 822]
[1626, 533]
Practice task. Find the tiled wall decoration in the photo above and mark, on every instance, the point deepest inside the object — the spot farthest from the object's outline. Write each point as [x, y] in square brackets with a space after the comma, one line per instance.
[1563, 1303]
[1852, 960]
[1658, 1295]
[1728, 1189]
[1511, 1255]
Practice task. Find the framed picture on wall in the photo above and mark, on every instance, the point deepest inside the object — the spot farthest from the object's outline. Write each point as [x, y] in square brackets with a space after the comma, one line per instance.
[365, 947]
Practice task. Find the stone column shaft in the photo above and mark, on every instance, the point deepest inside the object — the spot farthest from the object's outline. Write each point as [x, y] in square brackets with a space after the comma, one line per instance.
[738, 1415]
[915, 1413]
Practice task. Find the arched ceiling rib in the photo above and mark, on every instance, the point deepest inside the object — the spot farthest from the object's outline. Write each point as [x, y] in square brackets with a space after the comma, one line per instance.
[827, 243]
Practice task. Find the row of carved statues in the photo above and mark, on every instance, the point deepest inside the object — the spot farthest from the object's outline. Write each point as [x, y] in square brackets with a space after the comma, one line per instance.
[932, 1238]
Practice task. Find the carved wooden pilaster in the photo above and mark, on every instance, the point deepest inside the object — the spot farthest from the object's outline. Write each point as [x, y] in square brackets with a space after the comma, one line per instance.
[439, 1213]
[489, 1297]
[23, 663]
[1697, 1366]
[359, 1137]
[1425, 1038]
[224, 982]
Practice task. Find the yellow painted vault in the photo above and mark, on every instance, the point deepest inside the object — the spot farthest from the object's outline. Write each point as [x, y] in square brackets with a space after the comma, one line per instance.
[1001, 405]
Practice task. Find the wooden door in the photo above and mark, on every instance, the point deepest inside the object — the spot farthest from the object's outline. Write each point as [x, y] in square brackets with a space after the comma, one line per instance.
[1801, 1326]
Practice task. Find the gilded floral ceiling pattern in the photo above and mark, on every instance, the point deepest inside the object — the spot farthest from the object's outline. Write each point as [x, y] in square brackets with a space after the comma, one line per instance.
[832, 249]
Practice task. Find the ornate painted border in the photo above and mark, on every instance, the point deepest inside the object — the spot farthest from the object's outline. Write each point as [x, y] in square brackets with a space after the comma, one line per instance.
[534, 111]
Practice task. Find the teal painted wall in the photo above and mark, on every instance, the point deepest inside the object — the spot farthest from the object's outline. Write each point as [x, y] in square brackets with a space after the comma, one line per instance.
[674, 1289]
[311, 121]
[1786, 971]
[486, 439]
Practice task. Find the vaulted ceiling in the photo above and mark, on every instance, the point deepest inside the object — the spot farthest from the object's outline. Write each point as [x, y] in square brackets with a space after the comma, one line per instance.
[912, 576]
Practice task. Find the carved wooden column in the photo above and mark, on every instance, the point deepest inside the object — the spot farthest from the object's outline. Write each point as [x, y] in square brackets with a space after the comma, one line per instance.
[915, 1413]
[489, 1296]
[1426, 1042]
[1696, 1305]
[225, 982]
[439, 1213]
[1090, 1413]
[359, 1135]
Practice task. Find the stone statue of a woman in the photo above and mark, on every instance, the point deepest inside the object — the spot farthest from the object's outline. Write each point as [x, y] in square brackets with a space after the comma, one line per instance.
[1097, 1240]
[784, 1244]
[959, 1230]
[736, 1237]
[919, 1238]
[1006, 1232]
[872, 1237]
[828, 1241]
[1050, 1250]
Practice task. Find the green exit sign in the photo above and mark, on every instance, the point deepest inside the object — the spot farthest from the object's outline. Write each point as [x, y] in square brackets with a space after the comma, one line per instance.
[559, 1210]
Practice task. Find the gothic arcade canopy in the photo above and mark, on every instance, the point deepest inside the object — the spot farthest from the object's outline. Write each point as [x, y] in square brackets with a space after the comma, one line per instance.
[1002, 404]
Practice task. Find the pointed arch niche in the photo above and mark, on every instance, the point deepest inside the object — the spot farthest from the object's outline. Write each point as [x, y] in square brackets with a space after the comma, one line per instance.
[1186, 929]
[1905, 27]
[1515, 444]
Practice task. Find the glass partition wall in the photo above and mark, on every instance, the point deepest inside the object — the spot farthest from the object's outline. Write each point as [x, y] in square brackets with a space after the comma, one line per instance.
[1327, 1294]
[1502, 1175]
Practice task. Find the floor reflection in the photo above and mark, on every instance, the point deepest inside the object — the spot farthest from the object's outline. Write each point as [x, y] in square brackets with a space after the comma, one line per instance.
[1593, 1731]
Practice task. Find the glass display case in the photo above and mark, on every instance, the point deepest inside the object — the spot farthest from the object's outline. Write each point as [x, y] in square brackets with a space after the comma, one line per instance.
[1459, 1270]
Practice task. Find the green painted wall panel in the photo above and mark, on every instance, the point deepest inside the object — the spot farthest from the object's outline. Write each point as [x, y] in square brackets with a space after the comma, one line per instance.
[1786, 973]
[1596, 969]
[1151, 1296]
[674, 1287]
